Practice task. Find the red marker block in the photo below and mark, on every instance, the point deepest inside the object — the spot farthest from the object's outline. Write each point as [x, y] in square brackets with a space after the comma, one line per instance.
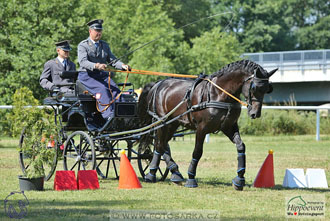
[65, 180]
[87, 179]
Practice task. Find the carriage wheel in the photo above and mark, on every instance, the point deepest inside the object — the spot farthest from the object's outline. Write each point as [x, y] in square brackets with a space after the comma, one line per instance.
[108, 162]
[144, 160]
[30, 138]
[79, 152]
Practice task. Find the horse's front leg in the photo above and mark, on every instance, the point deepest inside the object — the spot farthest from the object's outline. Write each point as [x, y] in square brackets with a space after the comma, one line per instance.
[176, 176]
[196, 156]
[234, 136]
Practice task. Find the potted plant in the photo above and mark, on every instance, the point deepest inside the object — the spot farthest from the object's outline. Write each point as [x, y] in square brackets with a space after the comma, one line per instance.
[37, 144]
[38, 154]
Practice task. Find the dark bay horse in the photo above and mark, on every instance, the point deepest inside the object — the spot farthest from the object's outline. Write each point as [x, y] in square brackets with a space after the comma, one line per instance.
[213, 111]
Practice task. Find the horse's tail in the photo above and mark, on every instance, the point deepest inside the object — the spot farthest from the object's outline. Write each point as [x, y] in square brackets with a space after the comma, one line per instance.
[145, 119]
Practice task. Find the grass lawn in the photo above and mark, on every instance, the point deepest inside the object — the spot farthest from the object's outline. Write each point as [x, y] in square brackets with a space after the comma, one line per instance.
[214, 174]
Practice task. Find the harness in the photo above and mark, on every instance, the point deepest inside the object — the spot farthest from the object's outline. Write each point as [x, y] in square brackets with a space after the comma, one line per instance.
[188, 99]
[189, 96]
[153, 98]
[160, 122]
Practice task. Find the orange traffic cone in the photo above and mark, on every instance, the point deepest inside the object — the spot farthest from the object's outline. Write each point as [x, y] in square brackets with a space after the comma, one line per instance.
[265, 177]
[127, 177]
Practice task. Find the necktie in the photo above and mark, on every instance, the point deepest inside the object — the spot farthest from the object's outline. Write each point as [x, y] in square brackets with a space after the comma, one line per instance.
[64, 64]
[97, 48]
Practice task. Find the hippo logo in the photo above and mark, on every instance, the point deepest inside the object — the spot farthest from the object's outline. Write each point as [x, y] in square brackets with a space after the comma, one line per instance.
[15, 205]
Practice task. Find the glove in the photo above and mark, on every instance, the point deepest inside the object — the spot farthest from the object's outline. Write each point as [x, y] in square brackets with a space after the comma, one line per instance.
[55, 88]
[126, 67]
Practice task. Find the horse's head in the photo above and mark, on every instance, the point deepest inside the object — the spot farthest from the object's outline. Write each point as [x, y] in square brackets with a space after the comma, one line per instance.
[254, 89]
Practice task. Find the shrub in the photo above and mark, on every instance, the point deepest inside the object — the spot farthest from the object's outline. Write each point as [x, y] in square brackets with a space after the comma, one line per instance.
[273, 122]
[21, 116]
[39, 132]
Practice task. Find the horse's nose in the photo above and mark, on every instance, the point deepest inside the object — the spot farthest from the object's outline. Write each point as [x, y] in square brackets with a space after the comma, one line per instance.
[253, 116]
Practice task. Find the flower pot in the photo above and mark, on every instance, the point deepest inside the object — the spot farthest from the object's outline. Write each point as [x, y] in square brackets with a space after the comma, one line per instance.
[27, 184]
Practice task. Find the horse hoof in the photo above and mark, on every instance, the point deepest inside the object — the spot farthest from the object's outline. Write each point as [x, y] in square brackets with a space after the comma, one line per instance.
[238, 188]
[191, 183]
[177, 178]
[238, 183]
[149, 178]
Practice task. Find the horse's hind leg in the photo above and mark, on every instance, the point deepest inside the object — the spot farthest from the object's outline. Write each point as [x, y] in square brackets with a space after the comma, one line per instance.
[167, 134]
[161, 149]
[234, 136]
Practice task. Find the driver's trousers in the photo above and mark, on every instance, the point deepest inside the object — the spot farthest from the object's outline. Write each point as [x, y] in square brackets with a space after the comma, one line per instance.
[97, 83]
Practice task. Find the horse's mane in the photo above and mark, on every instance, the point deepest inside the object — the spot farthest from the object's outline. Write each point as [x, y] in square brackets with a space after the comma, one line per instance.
[244, 65]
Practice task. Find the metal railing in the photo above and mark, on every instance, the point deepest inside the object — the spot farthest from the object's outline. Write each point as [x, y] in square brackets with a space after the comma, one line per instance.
[311, 108]
[292, 60]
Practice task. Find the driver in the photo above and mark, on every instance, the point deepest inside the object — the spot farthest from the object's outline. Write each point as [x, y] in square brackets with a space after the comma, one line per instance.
[93, 56]
[50, 76]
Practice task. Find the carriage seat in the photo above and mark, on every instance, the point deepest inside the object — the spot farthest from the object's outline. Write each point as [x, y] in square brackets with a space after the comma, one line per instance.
[80, 90]
[72, 75]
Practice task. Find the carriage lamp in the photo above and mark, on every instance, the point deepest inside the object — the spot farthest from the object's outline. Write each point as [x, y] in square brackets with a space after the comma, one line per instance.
[59, 96]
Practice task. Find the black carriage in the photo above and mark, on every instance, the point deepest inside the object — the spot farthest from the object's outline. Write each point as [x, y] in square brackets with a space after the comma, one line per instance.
[85, 141]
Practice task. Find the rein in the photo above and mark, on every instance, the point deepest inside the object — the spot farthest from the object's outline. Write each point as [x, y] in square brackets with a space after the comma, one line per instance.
[106, 106]
[162, 121]
[135, 71]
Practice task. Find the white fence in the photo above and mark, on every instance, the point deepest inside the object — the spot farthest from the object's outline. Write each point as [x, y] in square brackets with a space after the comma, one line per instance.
[313, 108]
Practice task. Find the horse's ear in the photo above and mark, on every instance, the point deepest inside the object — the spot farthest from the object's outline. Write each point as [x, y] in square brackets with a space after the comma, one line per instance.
[258, 73]
[272, 72]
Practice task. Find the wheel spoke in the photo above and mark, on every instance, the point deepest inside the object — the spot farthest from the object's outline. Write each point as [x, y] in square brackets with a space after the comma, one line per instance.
[108, 165]
[100, 162]
[160, 171]
[144, 170]
[74, 165]
[82, 155]
[144, 160]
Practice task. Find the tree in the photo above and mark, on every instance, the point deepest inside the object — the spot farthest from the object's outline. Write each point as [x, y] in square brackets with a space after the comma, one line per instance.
[183, 12]
[309, 22]
[29, 30]
[213, 50]
[138, 23]
[316, 36]
[275, 25]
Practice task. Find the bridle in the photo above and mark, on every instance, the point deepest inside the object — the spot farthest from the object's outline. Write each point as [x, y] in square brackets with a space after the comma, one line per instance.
[255, 82]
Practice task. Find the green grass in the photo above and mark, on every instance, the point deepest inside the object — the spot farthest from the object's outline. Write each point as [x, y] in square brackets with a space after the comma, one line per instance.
[215, 171]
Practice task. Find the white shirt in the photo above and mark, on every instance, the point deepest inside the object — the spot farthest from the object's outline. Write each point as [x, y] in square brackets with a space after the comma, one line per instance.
[61, 60]
[94, 41]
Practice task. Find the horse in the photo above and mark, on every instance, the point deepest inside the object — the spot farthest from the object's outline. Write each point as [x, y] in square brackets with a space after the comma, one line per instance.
[209, 110]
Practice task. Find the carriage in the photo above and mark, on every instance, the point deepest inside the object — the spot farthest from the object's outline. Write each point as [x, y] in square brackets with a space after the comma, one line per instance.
[86, 141]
